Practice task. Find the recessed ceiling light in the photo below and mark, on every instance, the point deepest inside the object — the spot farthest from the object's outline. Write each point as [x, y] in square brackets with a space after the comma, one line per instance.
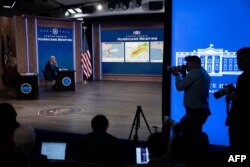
[99, 7]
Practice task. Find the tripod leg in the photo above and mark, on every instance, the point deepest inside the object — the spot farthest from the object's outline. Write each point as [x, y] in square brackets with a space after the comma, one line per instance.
[146, 121]
[137, 125]
[133, 125]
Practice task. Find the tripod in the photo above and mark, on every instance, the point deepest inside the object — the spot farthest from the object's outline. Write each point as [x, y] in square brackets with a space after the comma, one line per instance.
[136, 123]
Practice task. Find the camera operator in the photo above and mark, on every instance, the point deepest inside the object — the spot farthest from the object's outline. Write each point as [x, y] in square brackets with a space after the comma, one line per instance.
[238, 118]
[195, 85]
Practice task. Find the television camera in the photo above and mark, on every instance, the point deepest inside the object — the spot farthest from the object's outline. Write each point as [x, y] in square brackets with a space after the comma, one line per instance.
[181, 69]
[227, 89]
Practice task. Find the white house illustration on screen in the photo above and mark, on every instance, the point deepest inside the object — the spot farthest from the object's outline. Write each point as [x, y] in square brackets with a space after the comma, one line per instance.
[216, 61]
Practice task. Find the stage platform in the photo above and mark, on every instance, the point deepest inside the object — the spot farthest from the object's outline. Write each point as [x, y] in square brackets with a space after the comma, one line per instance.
[72, 111]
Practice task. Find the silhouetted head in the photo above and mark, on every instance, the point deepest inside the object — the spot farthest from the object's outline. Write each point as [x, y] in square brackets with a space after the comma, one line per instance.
[243, 58]
[193, 59]
[8, 124]
[189, 124]
[99, 123]
[7, 115]
[192, 62]
[157, 144]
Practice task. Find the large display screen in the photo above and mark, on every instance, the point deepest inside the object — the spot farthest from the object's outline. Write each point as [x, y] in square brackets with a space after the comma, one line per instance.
[132, 51]
[137, 52]
[214, 30]
[140, 45]
[113, 52]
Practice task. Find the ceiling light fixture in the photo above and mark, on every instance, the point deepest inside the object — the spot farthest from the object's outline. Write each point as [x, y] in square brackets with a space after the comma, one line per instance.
[72, 11]
[138, 3]
[111, 5]
[9, 6]
[67, 14]
[99, 7]
[125, 4]
[78, 10]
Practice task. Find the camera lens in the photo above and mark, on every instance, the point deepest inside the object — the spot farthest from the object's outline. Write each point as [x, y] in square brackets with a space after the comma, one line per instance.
[219, 94]
[227, 89]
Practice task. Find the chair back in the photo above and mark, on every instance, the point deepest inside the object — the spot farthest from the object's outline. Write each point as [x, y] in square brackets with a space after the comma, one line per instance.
[44, 75]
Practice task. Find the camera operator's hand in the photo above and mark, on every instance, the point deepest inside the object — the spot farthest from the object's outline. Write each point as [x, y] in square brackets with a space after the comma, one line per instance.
[231, 96]
[54, 62]
[175, 71]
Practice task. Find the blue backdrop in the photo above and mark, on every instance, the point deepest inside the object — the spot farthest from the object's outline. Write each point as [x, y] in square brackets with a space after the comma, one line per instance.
[216, 28]
[57, 42]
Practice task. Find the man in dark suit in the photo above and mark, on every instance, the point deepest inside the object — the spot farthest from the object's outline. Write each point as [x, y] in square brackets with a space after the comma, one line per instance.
[238, 115]
[51, 71]
[99, 146]
[8, 124]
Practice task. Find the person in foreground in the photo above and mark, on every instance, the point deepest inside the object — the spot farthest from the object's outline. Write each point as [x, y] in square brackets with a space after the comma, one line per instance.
[195, 85]
[25, 140]
[238, 122]
[189, 145]
[99, 146]
[158, 148]
[22, 154]
[8, 124]
[51, 71]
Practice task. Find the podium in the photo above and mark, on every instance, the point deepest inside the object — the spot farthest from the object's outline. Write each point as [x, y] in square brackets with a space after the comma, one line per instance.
[27, 86]
[66, 80]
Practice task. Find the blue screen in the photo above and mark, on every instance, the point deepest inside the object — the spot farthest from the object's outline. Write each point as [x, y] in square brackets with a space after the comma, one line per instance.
[57, 42]
[214, 30]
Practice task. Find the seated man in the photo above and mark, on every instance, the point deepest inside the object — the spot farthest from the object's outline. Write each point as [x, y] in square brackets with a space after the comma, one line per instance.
[99, 146]
[51, 71]
[189, 145]
[23, 154]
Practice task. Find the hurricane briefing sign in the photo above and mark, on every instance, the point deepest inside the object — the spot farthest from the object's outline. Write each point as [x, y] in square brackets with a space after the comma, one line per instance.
[55, 41]
[213, 30]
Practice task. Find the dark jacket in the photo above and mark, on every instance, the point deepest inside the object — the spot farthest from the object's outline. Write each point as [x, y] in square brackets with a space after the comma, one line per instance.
[51, 71]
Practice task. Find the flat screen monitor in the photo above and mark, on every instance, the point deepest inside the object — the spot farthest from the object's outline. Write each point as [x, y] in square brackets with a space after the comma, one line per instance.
[54, 150]
[142, 155]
